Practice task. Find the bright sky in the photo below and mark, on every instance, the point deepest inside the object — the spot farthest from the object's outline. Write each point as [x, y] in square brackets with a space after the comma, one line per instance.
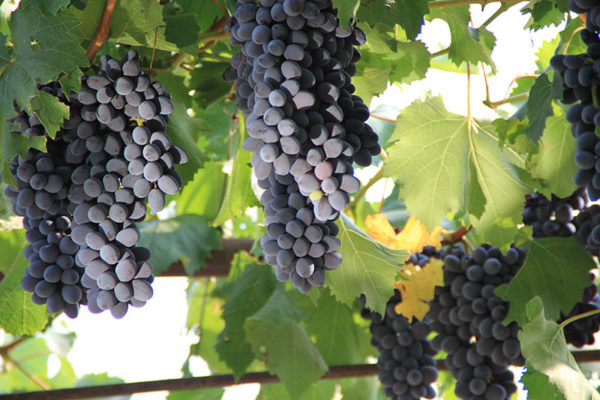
[152, 342]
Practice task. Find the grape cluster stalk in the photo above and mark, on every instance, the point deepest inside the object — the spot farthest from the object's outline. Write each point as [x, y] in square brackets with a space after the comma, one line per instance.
[407, 368]
[82, 197]
[305, 126]
[467, 317]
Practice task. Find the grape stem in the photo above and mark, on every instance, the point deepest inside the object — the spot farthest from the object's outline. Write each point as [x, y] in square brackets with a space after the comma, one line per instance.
[102, 31]
[364, 189]
[578, 317]
[9, 360]
[511, 99]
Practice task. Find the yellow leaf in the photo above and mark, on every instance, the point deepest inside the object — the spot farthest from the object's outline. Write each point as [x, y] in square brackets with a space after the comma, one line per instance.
[380, 229]
[419, 288]
[413, 237]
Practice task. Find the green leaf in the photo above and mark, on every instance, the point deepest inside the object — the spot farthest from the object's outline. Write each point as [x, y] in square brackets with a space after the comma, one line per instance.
[538, 386]
[50, 6]
[199, 195]
[447, 163]
[370, 81]
[101, 379]
[545, 13]
[563, 264]
[204, 319]
[200, 394]
[208, 89]
[50, 111]
[134, 22]
[18, 314]
[468, 44]
[277, 336]
[346, 9]
[321, 390]
[539, 107]
[544, 347]
[205, 11]
[331, 325]
[554, 163]
[361, 388]
[43, 48]
[182, 30]
[407, 13]
[187, 238]
[238, 194]
[368, 267]
[32, 356]
[245, 292]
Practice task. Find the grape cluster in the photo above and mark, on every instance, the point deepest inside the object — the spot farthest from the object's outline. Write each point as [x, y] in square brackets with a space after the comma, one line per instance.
[553, 217]
[579, 73]
[468, 318]
[592, 10]
[406, 363]
[82, 197]
[305, 126]
[581, 332]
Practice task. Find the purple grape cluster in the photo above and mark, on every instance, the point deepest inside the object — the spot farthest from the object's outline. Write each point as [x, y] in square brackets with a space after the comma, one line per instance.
[305, 125]
[468, 316]
[553, 217]
[406, 364]
[81, 198]
[580, 73]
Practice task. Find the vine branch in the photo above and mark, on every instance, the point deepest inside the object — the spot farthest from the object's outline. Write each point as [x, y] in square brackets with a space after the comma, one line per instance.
[103, 30]
[364, 189]
[216, 381]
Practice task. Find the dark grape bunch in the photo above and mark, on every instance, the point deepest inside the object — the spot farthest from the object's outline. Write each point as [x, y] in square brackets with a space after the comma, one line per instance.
[468, 316]
[553, 217]
[305, 126]
[82, 197]
[580, 74]
[581, 332]
[406, 364]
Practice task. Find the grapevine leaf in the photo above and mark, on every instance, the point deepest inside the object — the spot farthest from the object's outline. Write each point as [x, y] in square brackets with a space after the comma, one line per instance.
[32, 356]
[43, 48]
[50, 111]
[412, 238]
[182, 30]
[370, 81]
[539, 107]
[538, 386]
[406, 13]
[133, 23]
[49, 6]
[361, 389]
[556, 270]
[208, 90]
[277, 336]
[198, 394]
[101, 379]
[205, 11]
[198, 196]
[418, 287]
[332, 326]
[447, 163]
[346, 9]
[245, 292]
[545, 13]
[554, 163]
[317, 391]
[187, 238]
[468, 44]
[18, 314]
[368, 267]
[409, 61]
[544, 347]
[204, 317]
[238, 194]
